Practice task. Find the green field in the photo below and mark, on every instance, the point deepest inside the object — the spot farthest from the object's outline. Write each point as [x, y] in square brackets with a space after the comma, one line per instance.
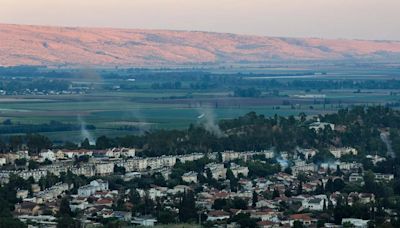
[131, 111]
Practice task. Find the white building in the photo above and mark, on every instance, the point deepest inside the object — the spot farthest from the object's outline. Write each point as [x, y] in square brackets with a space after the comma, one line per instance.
[190, 157]
[245, 155]
[376, 158]
[47, 155]
[355, 177]
[77, 204]
[76, 153]
[190, 177]
[132, 175]
[218, 171]
[307, 153]
[384, 177]
[128, 152]
[317, 126]
[158, 192]
[104, 168]
[269, 154]
[237, 169]
[53, 192]
[301, 166]
[23, 154]
[3, 161]
[22, 194]
[144, 221]
[358, 223]
[339, 152]
[315, 203]
[93, 187]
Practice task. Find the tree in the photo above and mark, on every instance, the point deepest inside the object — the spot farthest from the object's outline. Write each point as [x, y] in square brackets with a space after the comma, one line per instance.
[328, 171]
[288, 170]
[15, 142]
[83, 158]
[209, 175]
[7, 122]
[64, 210]
[369, 180]
[347, 225]
[103, 142]
[219, 157]
[67, 222]
[3, 146]
[300, 188]
[70, 145]
[297, 224]
[36, 143]
[20, 162]
[166, 216]
[65, 215]
[134, 196]
[85, 144]
[220, 204]
[254, 199]
[48, 180]
[329, 187]
[288, 192]
[275, 193]
[6, 219]
[338, 171]
[233, 182]
[187, 207]
[239, 203]
[319, 189]
[119, 169]
[33, 165]
[338, 184]
[244, 220]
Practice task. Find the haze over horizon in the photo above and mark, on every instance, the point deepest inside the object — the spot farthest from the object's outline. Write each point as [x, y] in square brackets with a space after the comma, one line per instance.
[356, 19]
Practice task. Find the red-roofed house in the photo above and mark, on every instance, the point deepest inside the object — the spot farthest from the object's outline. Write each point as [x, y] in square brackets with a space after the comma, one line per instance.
[217, 215]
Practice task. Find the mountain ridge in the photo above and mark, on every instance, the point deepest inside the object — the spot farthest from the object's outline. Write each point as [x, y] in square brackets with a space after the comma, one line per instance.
[85, 46]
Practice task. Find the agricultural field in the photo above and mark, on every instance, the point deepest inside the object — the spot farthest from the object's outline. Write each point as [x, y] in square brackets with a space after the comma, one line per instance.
[119, 102]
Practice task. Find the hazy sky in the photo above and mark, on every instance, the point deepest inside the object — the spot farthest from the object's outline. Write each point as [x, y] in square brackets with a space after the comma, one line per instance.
[364, 19]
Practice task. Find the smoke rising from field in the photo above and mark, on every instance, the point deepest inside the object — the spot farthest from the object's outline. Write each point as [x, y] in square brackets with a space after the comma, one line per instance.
[208, 121]
[92, 79]
[85, 134]
[282, 162]
[139, 120]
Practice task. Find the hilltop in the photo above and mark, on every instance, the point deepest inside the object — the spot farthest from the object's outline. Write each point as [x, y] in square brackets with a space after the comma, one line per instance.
[73, 46]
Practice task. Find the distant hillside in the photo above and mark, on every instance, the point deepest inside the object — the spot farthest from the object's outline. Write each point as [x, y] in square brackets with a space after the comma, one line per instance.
[54, 46]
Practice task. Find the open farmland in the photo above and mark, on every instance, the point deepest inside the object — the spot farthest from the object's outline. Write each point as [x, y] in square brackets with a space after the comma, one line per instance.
[126, 101]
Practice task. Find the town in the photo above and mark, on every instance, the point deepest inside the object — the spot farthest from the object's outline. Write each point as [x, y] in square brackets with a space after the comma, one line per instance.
[266, 188]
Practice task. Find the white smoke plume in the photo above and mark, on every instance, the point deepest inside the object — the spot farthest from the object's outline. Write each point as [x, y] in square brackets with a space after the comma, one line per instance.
[282, 162]
[85, 134]
[207, 118]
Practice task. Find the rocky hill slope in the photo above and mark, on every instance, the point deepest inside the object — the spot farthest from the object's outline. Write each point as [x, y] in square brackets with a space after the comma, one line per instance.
[67, 46]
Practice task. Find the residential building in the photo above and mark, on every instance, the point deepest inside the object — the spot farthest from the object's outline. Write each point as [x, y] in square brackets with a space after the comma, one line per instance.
[190, 177]
[94, 186]
[218, 171]
[217, 215]
[239, 170]
[339, 152]
[318, 126]
[104, 168]
[357, 223]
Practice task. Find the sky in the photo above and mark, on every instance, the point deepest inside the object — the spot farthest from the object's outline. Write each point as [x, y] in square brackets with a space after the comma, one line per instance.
[350, 19]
